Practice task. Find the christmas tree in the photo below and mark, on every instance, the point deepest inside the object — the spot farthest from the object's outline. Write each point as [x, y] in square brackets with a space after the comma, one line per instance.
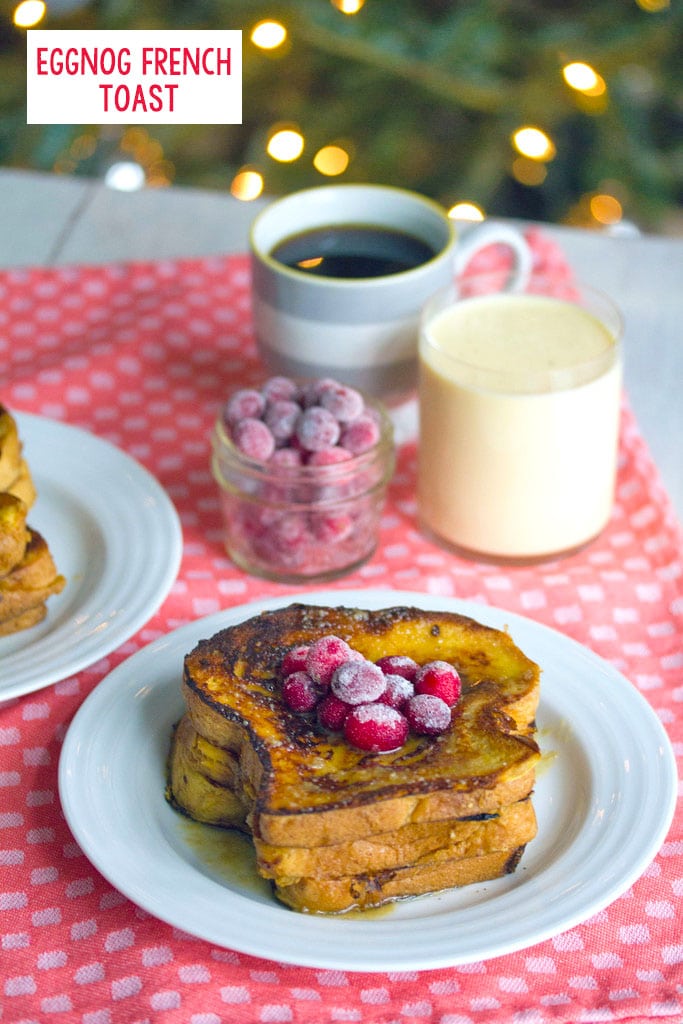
[555, 111]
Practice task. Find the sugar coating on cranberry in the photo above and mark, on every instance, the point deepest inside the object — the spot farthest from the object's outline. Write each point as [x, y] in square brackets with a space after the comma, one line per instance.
[358, 682]
[376, 727]
[281, 388]
[427, 715]
[325, 655]
[253, 438]
[398, 665]
[246, 402]
[329, 456]
[294, 660]
[285, 458]
[343, 402]
[281, 417]
[332, 712]
[329, 529]
[397, 691]
[360, 435]
[299, 692]
[316, 428]
[440, 679]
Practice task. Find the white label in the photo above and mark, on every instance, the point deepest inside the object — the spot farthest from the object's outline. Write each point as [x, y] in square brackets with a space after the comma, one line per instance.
[133, 77]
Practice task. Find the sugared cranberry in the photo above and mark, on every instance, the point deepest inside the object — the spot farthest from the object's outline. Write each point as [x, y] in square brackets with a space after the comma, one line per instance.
[325, 655]
[358, 682]
[294, 660]
[246, 402]
[360, 435]
[397, 692]
[343, 402]
[277, 389]
[441, 680]
[330, 529]
[398, 665]
[332, 712]
[299, 692]
[329, 456]
[253, 438]
[427, 715]
[316, 428]
[285, 458]
[375, 727]
[280, 417]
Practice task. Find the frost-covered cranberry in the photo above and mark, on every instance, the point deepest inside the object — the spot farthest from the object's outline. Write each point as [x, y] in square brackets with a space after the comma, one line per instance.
[361, 434]
[343, 402]
[285, 458]
[329, 529]
[253, 438]
[427, 715]
[376, 727]
[316, 429]
[329, 456]
[325, 655]
[397, 691]
[332, 712]
[398, 665]
[277, 389]
[280, 417]
[358, 682]
[294, 660]
[299, 692]
[246, 402]
[440, 679]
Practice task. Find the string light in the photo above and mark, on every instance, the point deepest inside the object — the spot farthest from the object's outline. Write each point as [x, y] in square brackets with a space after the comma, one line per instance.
[247, 185]
[533, 143]
[348, 6]
[331, 160]
[268, 35]
[285, 145]
[466, 211]
[29, 13]
[529, 172]
[606, 209]
[652, 6]
[125, 176]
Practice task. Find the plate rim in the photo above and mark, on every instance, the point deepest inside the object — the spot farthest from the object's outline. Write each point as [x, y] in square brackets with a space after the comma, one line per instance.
[322, 957]
[120, 627]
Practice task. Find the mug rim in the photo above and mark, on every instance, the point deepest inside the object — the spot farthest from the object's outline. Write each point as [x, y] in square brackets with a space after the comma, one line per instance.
[275, 266]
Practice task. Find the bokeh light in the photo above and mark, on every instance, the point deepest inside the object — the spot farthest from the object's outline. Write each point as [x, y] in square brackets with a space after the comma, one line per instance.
[247, 185]
[466, 211]
[605, 208]
[125, 176]
[348, 6]
[29, 13]
[268, 34]
[533, 143]
[285, 145]
[331, 160]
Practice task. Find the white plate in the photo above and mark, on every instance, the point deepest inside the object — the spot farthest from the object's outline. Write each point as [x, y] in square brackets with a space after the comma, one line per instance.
[113, 533]
[604, 803]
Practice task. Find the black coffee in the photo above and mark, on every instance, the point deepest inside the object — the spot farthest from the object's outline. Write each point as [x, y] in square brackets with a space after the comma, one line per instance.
[352, 251]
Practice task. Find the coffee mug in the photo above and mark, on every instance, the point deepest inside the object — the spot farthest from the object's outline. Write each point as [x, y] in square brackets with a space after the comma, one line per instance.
[340, 274]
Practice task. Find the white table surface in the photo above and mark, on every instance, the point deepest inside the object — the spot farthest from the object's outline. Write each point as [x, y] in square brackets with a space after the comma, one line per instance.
[49, 220]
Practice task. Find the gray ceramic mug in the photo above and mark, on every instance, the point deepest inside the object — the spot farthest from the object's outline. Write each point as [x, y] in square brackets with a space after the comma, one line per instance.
[360, 330]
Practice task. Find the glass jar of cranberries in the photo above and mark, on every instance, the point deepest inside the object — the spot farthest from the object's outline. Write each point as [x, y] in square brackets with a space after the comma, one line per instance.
[302, 470]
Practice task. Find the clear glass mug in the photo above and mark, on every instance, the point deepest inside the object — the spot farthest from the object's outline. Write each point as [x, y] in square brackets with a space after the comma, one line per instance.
[519, 399]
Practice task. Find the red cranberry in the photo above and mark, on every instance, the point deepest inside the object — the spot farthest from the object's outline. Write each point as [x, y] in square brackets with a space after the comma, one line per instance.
[375, 727]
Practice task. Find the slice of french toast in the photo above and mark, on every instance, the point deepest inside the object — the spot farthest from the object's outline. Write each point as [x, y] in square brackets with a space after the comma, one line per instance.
[29, 584]
[10, 449]
[310, 788]
[14, 534]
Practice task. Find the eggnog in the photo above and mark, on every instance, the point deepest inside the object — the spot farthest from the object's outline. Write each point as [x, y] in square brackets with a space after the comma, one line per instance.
[519, 419]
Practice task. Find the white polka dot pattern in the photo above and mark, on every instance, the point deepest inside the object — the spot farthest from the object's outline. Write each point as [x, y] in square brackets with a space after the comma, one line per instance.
[143, 355]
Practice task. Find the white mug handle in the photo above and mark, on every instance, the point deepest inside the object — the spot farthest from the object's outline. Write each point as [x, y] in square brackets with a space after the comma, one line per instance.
[486, 233]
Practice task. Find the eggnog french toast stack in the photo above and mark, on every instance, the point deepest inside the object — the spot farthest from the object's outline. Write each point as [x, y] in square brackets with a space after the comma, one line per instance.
[304, 728]
[28, 575]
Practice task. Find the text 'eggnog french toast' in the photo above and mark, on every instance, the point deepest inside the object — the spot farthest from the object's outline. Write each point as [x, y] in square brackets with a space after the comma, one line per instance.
[28, 575]
[336, 825]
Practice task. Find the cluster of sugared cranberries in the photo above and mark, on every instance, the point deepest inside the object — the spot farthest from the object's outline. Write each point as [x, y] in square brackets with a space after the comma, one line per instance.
[303, 482]
[316, 424]
[375, 705]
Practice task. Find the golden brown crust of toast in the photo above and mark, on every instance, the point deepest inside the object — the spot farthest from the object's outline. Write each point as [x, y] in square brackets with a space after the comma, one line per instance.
[203, 780]
[338, 895]
[31, 582]
[14, 533]
[25, 620]
[10, 449]
[312, 789]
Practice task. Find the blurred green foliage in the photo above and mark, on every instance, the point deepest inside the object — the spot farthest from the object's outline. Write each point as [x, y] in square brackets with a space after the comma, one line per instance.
[423, 93]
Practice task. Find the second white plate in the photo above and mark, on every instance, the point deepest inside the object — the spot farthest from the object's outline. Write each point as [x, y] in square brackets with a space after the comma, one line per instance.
[114, 534]
[604, 801]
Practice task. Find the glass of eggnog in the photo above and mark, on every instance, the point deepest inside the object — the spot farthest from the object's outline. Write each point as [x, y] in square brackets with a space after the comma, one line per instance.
[519, 400]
